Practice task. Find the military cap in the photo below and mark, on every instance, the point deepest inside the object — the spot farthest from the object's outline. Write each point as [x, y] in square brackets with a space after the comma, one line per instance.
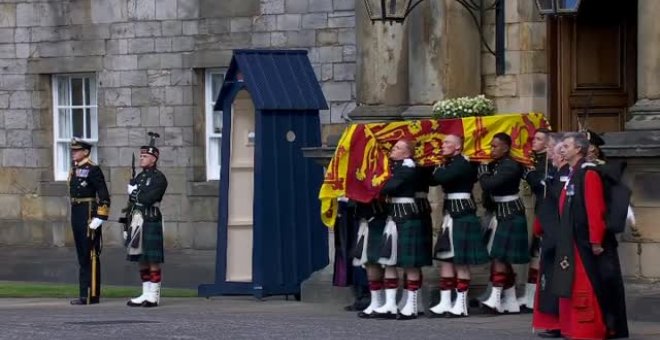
[151, 149]
[77, 144]
[594, 138]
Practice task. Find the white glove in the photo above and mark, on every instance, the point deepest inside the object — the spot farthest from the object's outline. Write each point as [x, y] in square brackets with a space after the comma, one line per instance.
[631, 218]
[125, 234]
[96, 222]
[131, 188]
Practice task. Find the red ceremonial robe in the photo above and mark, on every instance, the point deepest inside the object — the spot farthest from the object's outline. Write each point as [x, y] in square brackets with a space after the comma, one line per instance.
[580, 316]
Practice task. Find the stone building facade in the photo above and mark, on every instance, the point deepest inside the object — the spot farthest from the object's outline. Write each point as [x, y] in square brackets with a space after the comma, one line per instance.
[154, 63]
[112, 70]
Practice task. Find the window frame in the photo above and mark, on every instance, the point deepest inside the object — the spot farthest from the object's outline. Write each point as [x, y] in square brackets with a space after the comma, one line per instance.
[62, 144]
[213, 160]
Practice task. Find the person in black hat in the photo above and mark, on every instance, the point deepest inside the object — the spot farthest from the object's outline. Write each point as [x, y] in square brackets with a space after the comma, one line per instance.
[595, 142]
[145, 239]
[90, 207]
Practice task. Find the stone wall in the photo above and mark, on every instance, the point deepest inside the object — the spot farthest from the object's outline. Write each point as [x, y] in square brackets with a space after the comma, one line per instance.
[523, 87]
[149, 57]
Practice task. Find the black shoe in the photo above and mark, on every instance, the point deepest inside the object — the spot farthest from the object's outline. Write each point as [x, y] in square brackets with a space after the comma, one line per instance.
[434, 315]
[525, 310]
[551, 333]
[148, 304]
[133, 304]
[350, 308]
[406, 317]
[385, 316]
[83, 301]
[363, 315]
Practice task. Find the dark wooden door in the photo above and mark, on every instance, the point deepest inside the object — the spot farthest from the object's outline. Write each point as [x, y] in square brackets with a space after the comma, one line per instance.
[592, 65]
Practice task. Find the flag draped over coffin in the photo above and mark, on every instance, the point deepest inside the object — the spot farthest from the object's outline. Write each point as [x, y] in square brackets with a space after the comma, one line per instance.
[360, 165]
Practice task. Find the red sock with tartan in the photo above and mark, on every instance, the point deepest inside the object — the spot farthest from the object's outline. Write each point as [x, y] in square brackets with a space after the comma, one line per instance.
[462, 285]
[155, 276]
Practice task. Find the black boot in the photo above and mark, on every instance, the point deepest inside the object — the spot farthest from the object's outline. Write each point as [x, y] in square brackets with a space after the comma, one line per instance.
[551, 333]
[362, 298]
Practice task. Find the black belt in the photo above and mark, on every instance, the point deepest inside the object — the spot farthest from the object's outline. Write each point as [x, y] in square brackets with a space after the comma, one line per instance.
[81, 200]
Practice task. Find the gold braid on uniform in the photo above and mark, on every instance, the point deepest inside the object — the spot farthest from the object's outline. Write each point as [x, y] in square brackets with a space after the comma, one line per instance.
[103, 210]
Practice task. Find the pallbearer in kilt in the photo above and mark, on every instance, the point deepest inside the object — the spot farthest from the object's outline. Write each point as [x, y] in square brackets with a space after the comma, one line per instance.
[145, 244]
[90, 206]
[372, 217]
[460, 243]
[537, 178]
[406, 243]
[507, 232]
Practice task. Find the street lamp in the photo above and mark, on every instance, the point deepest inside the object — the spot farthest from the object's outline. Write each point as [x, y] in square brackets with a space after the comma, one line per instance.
[390, 10]
[397, 11]
[558, 7]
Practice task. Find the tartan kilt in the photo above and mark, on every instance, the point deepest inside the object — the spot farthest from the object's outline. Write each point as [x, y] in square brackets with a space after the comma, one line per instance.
[427, 222]
[510, 242]
[414, 246]
[467, 238]
[152, 244]
[375, 239]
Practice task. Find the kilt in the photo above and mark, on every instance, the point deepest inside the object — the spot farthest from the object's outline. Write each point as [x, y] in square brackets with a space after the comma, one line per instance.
[510, 243]
[152, 244]
[414, 246]
[427, 221]
[467, 239]
[375, 239]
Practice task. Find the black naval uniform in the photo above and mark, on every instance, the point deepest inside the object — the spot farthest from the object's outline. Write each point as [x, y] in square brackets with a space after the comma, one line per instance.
[151, 186]
[89, 199]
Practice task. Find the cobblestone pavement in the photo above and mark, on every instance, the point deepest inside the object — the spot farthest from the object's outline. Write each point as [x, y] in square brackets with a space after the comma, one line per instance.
[243, 318]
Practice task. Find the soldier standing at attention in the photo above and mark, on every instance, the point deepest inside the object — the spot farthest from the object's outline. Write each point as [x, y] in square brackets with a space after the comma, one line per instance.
[145, 244]
[90, 206]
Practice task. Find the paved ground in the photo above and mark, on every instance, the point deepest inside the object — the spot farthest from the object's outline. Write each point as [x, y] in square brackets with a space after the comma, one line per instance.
[243, 318]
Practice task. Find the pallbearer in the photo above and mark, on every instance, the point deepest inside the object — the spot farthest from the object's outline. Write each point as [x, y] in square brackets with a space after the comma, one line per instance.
[507, 239]
[406, 243]
[145, 244]
[537, 178]
[90, 207]
[460, 243]
[372, 218]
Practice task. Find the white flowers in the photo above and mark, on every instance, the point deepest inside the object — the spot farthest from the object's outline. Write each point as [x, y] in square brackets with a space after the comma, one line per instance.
[463, 107]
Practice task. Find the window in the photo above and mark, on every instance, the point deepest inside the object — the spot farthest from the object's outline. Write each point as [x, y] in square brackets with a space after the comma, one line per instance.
[74, 115]
[213, 84]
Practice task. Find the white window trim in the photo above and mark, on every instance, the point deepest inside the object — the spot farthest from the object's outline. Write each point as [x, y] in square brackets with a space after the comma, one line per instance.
[212, 164]
[63, 175]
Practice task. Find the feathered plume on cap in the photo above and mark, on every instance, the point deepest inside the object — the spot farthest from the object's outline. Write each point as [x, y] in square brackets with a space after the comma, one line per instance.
[151, 149]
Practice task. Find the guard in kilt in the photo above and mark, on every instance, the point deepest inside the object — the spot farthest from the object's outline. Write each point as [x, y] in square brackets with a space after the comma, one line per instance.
[372, 218]
[90, 207]
[536, 177]
[424, 180]
[405, 236]
[145, 244]
[507, 231]
[460, 243]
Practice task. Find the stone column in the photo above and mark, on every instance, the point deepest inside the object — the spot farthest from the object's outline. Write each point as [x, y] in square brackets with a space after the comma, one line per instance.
[646, 112]
[444, 55]
[382, 61]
